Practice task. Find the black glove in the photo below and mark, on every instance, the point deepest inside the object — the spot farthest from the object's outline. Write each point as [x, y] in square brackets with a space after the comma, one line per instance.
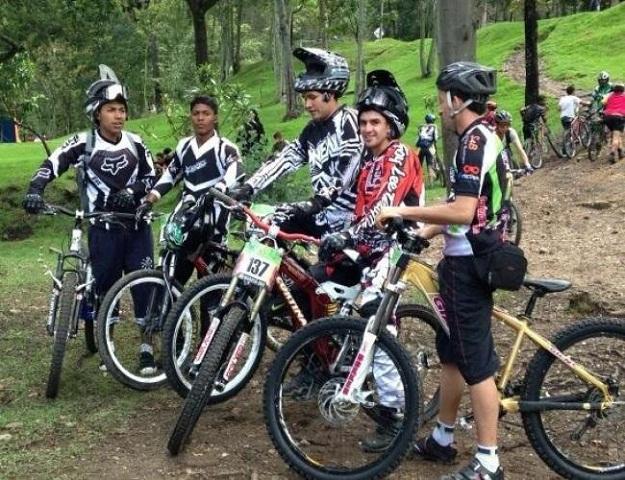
[242, 193]
[143, 210]
[122, 201]
[333, 243]
[33, 203]
[306, 208]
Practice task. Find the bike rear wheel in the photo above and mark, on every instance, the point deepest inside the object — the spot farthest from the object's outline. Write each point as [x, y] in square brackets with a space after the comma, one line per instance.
[580, 443]
[514, 228]
[202, 387]
[64, 314]
[141, 294]
[319, 436]
[534, 152]
[181, 337]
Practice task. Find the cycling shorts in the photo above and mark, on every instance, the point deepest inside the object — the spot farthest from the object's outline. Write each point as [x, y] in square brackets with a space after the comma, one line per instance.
[614, 122]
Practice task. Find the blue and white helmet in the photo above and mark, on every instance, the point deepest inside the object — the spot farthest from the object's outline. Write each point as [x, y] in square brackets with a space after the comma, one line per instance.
[325, 71]
[106, 89]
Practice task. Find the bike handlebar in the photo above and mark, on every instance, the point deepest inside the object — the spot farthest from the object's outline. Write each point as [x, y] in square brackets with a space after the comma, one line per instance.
[52, 209]
[291, 237]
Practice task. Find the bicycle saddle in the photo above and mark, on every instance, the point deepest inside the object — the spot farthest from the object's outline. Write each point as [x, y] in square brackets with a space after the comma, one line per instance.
[546, 285]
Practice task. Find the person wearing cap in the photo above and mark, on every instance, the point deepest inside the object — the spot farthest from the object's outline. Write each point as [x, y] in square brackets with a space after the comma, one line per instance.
[329, 144]
[118, 172]
[472, 223]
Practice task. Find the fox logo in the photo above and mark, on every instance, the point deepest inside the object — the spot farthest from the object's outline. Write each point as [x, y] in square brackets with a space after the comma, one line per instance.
[115, 164]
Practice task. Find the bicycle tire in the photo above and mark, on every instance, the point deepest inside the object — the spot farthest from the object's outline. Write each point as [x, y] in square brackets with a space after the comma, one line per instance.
[584, 134]
[568, 145]
[553, 146]
[596, 144]
[120, 364]
[202, 387]
[514, 230]
[285, 443]
[538, 375]
[67, 303]
[423, 365]
[173, 363]
[534, 153]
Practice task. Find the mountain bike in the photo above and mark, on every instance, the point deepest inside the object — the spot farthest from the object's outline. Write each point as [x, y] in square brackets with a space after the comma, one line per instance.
[148, 294]
[72, 295]
[570, 399]
[599, 135]
[577, 135]
[537, 146]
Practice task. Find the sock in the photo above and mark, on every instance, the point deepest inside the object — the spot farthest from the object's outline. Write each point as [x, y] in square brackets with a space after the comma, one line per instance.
[443, 434]
[146, 348]
[488, 457]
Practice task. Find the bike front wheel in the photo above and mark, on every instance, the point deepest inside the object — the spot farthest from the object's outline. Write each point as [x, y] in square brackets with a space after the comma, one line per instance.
[514, 228]
[130, 321]
[64, 314]
[580, 443]
[318, 433]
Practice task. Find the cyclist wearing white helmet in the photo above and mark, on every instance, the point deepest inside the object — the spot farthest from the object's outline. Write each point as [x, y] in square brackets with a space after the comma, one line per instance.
[472, 222]
[601, 90]
[330, 144]
[117, 172]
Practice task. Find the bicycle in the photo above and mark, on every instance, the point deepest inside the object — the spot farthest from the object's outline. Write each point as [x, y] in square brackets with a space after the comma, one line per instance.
[72, 294]
[599, 135]
[149, 294]
[555, 387]
[538, 144]
[577, 135]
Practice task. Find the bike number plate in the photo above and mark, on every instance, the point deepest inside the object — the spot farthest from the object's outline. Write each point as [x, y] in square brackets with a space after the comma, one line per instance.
[258, 263]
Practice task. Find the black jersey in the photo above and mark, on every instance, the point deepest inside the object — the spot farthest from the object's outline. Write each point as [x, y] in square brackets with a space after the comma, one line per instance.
[332, 148]
[111, 167]
[200, 167]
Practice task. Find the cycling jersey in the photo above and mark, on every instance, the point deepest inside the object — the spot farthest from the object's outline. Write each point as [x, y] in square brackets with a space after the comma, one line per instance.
[599, 93]
[112, 167]
[333, 149]
[478, 171]
[390, 179]
[428, 135]
[615, 104]
[200, 167]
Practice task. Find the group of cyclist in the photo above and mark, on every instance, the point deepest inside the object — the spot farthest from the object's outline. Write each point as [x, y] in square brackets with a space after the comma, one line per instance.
[361, 176]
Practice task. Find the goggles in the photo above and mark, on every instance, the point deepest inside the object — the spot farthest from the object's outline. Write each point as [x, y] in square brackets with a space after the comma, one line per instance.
[114, 91]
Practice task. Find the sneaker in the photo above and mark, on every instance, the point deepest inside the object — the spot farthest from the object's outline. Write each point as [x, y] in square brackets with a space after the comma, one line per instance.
[474, 471]
[147, 366]
[429, 449]
[389, 422]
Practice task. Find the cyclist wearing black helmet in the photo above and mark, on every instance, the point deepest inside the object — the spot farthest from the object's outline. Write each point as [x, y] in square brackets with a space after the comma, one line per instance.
[426, 141]
[330, 144]
[472, 224]
[511, 141]
[118, 172]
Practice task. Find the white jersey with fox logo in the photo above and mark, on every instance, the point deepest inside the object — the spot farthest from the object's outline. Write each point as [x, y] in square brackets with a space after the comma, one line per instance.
[111, 167]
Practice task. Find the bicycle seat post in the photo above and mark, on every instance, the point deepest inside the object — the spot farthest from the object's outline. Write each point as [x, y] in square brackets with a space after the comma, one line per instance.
[531, 303]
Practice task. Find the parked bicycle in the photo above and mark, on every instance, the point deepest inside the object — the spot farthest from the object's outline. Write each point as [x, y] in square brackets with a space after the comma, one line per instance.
[148, 294]
[72, 295]
[570, 399]
[537, 146]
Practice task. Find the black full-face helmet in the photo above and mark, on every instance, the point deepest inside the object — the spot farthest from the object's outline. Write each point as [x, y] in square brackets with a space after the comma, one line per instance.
[105, 90]
[384, 96]
[325, 71]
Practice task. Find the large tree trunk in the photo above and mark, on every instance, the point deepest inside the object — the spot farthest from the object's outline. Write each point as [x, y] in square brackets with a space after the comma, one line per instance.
[323, 24]
[531, 52]
[276, 47]
[456, 41]
[236, 62]
[198, 10]
[284, 35]
[427, 25]
[226, 39]
[156, 74]
[361, 27]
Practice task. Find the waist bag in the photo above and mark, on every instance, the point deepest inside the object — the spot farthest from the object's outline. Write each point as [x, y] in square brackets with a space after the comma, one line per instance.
[502, 268]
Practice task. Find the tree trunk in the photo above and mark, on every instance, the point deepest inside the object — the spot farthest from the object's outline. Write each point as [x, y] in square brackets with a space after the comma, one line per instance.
[284, 35]
[361, 26]
[422, 35]
[323, 24]
[156, 73]
[226, 39]
[236, 62]
[531, 52]
[456, 41]
[434, 30]
[276, 47]
[198, 10]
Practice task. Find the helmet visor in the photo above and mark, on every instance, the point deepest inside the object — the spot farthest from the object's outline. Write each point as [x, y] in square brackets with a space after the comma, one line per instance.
[115, 91]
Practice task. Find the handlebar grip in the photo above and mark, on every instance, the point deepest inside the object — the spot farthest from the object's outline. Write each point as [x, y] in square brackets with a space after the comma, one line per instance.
[394, 224]
[219, 195]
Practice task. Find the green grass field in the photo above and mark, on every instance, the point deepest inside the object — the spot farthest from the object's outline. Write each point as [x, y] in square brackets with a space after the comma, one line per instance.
[37, 436]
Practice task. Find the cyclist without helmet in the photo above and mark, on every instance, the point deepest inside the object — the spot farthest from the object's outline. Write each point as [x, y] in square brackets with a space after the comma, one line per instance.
[117, 174]
[569, 105]
[330, 144]
[200, 162]
[489, 116]
[614, 118]
[510, 139]
[472, 224]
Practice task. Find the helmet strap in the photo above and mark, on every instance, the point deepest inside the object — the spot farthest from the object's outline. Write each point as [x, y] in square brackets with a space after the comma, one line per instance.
[451, 106]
